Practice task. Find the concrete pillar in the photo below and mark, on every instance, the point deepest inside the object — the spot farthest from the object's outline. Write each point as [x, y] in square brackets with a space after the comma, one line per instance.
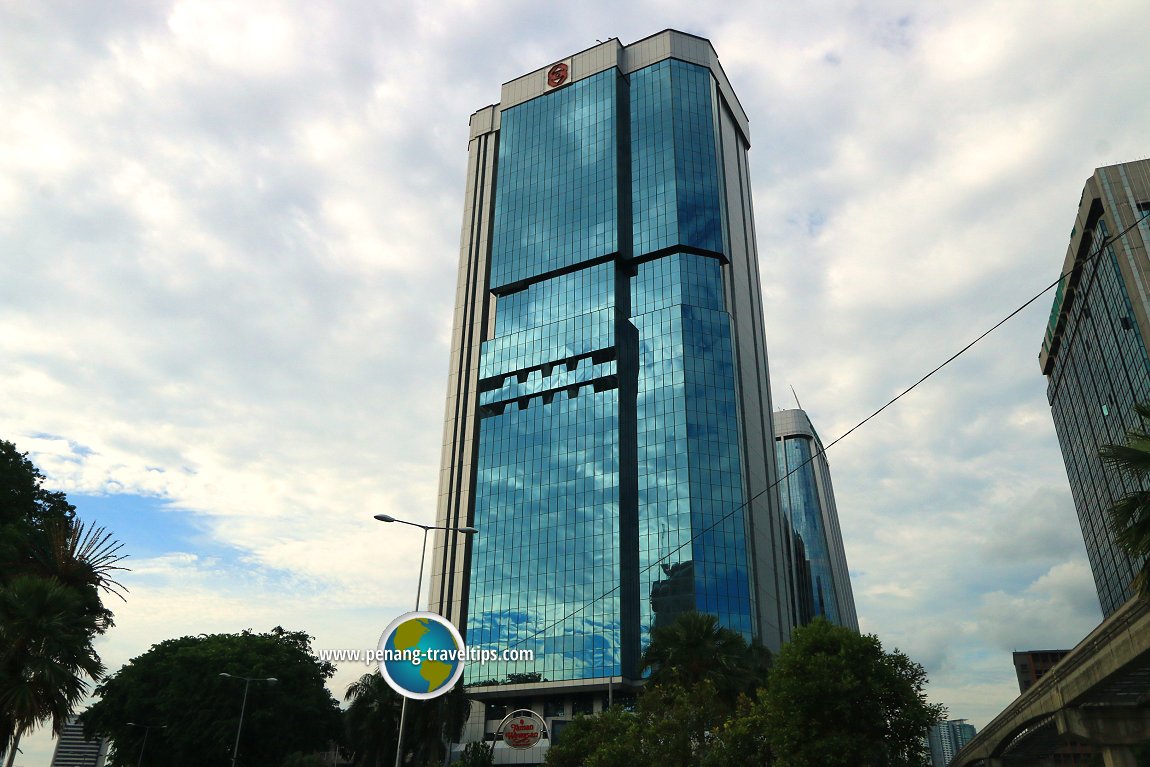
[1118, 756]
[1105, 725]
[1113, 728]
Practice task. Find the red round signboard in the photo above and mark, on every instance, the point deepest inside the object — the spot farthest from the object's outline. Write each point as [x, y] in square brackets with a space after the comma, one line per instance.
[522, 732]
[557, 75]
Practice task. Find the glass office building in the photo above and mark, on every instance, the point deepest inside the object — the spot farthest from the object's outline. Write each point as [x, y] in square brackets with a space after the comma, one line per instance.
[946, 739]
[608, 424]
[1095, 357]
[821, 587]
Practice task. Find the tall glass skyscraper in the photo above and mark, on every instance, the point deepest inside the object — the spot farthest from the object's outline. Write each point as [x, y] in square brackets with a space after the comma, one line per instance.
[822, 586]
[1095, 357]
[608, 421]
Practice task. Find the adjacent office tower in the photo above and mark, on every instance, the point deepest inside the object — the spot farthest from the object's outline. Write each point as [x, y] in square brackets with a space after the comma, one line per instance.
[72, 750]
[1095, 357]
[609, 417]
[822, 587]
[947, 738]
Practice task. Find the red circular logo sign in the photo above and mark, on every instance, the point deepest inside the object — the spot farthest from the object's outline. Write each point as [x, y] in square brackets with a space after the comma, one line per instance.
[523, 732]
[557, 75]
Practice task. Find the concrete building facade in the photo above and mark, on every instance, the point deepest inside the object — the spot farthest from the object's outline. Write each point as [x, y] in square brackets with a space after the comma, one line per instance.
[1095, 356]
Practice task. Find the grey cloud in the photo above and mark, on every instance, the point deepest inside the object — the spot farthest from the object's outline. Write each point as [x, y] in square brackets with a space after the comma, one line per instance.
[242, 269]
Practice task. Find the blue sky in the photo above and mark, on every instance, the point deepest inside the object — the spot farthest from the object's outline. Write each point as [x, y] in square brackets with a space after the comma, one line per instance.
[231, 234]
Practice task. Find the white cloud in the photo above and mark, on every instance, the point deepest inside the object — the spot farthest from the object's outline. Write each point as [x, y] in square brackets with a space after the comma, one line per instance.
[230, 241]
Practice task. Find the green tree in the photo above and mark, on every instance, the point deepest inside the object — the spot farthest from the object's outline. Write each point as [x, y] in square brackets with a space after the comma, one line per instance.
[1130, 516]
[23, 499]
[836, 698]
[741, 740]
[477, 754]
[46, 636]
[603, 740]
[671, 724]
[695, 648]
[53, 570]
[178, 684]
[371, 721]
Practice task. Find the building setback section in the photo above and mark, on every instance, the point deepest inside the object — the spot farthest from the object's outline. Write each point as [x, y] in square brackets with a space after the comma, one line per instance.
[1095, 357]
[608, 425]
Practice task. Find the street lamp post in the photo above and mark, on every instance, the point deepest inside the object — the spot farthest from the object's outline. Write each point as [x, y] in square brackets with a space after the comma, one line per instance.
[147, 729]
[418, 592]
[243, 706]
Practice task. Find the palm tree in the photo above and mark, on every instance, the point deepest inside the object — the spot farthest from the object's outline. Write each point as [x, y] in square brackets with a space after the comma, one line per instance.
[53, 569]
[372, 723]
[1130, 516]
[46, 639]
[372, 720]
[695, 648]
[436, 724]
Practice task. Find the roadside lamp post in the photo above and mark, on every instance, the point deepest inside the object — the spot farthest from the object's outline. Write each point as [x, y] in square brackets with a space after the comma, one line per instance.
[147, 729]
[418, 592]
[243, 706]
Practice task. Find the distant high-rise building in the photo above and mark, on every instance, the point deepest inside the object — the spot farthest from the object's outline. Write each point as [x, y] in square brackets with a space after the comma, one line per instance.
[1096, 359]
[822, 586]
[72, 750]
[1032, 665]
[947, 739]
[609, 414]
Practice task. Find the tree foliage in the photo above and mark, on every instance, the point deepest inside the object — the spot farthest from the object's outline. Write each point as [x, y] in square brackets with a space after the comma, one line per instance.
[372, 723]
[53, 570]
[671, 724]
[831, 698]
[176, 688]
[477, 754]
[23, 498]
[1130, 516]
[695, 648]
[836, 698]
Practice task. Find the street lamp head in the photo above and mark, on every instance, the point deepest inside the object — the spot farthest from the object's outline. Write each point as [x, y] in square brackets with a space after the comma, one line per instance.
[385, 518]
[224, 673]
[271, 680]
[468, 530]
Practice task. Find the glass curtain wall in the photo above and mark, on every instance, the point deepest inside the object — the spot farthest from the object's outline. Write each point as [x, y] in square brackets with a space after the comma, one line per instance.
[609, 478]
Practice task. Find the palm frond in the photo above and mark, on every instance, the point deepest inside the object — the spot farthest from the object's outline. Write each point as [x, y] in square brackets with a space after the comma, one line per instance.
[1130, 515]
[1132, 459]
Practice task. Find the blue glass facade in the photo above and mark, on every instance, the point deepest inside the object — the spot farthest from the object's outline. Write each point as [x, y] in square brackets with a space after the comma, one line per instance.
[688, 446]
[1097, 368]
[820, 584]
[608, 443]
[608, 406]
[674, 170]
[815, 593]
[557, 199]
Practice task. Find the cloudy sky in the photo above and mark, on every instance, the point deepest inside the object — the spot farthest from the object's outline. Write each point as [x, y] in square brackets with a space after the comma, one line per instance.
[229, 238]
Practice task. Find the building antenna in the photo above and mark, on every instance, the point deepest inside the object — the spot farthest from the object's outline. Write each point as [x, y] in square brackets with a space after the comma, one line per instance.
[796, 398]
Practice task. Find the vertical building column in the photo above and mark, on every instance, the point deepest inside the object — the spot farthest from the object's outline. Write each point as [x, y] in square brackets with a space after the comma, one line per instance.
[449, 561]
